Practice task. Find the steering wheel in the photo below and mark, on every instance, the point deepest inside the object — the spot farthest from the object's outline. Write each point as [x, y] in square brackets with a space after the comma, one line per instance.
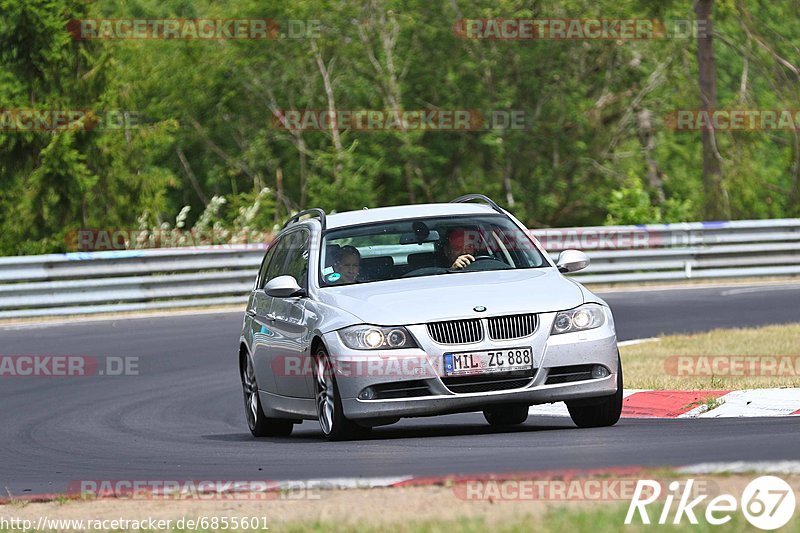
[480, 263]
[477, 259]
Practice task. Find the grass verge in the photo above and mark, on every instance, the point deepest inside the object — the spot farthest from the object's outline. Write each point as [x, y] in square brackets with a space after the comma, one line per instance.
[723, 359]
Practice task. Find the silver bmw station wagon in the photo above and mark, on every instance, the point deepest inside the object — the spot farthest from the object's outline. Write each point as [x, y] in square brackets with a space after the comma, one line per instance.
[358, 319]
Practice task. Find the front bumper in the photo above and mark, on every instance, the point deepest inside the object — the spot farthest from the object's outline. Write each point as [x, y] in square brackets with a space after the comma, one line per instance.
[423, 365]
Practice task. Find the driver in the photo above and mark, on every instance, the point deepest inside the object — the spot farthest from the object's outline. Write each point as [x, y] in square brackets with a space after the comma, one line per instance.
[460, 247]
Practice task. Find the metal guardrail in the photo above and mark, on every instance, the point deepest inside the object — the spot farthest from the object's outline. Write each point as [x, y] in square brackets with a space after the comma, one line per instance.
[131, 280]
[694, 250]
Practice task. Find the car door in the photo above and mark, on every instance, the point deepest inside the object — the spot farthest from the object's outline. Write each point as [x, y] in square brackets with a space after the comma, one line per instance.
[290, 325]
[261, 318]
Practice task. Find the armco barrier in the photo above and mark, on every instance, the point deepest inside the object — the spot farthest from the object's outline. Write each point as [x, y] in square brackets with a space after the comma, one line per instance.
[130, 280]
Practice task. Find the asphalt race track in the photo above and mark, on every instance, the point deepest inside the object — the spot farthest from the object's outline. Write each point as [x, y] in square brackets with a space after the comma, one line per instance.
[181, 417]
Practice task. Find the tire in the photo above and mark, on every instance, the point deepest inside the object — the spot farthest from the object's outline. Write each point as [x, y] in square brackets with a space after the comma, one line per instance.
[259, 424]
[603, 413]
[506, 415]
[334, 425]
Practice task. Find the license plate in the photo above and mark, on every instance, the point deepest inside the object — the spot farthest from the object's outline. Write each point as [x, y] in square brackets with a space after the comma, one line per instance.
[488, 362]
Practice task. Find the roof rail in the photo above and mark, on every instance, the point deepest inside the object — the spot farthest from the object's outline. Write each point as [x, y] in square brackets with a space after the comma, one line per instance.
[316, 212]
[483, 198]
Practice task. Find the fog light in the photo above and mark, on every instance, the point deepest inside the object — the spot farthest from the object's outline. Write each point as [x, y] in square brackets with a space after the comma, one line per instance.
[367, 394]
[599, 371]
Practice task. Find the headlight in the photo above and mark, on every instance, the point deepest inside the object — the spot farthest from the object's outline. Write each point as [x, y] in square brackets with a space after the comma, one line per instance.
[376, 338]
[585, 317]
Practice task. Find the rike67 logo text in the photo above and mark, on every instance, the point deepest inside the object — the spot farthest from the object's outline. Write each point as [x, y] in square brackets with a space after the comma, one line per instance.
[767, 502]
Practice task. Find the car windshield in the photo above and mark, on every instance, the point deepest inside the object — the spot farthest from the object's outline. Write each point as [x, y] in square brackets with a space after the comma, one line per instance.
[425, 247]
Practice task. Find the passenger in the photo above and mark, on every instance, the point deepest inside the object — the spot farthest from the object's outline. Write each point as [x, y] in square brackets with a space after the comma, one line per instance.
[347, 264]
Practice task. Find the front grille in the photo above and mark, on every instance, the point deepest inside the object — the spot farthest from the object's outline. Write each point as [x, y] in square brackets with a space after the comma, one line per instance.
[568, 374]
[456, 331]
[511, 326]
[467, 384]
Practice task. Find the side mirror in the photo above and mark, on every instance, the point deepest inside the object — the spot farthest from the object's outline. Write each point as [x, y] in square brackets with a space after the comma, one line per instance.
[283, 287]
[572, 261]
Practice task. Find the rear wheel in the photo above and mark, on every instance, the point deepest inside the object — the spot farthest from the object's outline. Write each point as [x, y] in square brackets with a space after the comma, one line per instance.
[604, 412]
[332, 422]
[506, 415]
[259, 424]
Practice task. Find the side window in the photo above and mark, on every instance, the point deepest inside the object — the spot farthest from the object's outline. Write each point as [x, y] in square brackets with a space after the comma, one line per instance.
[275, 267]
[297, 260]
[262, 273]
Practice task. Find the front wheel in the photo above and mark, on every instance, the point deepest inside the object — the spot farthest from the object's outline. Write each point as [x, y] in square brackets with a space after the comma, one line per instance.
[259, 424]
[332, 422]
[506, 415]
[605, 412]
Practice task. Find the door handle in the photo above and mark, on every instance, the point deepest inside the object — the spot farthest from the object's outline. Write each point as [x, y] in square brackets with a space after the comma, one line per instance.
[271, 317]
[250, 313]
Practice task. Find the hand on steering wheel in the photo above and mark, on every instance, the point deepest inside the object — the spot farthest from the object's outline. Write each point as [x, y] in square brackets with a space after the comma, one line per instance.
[463, 261]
